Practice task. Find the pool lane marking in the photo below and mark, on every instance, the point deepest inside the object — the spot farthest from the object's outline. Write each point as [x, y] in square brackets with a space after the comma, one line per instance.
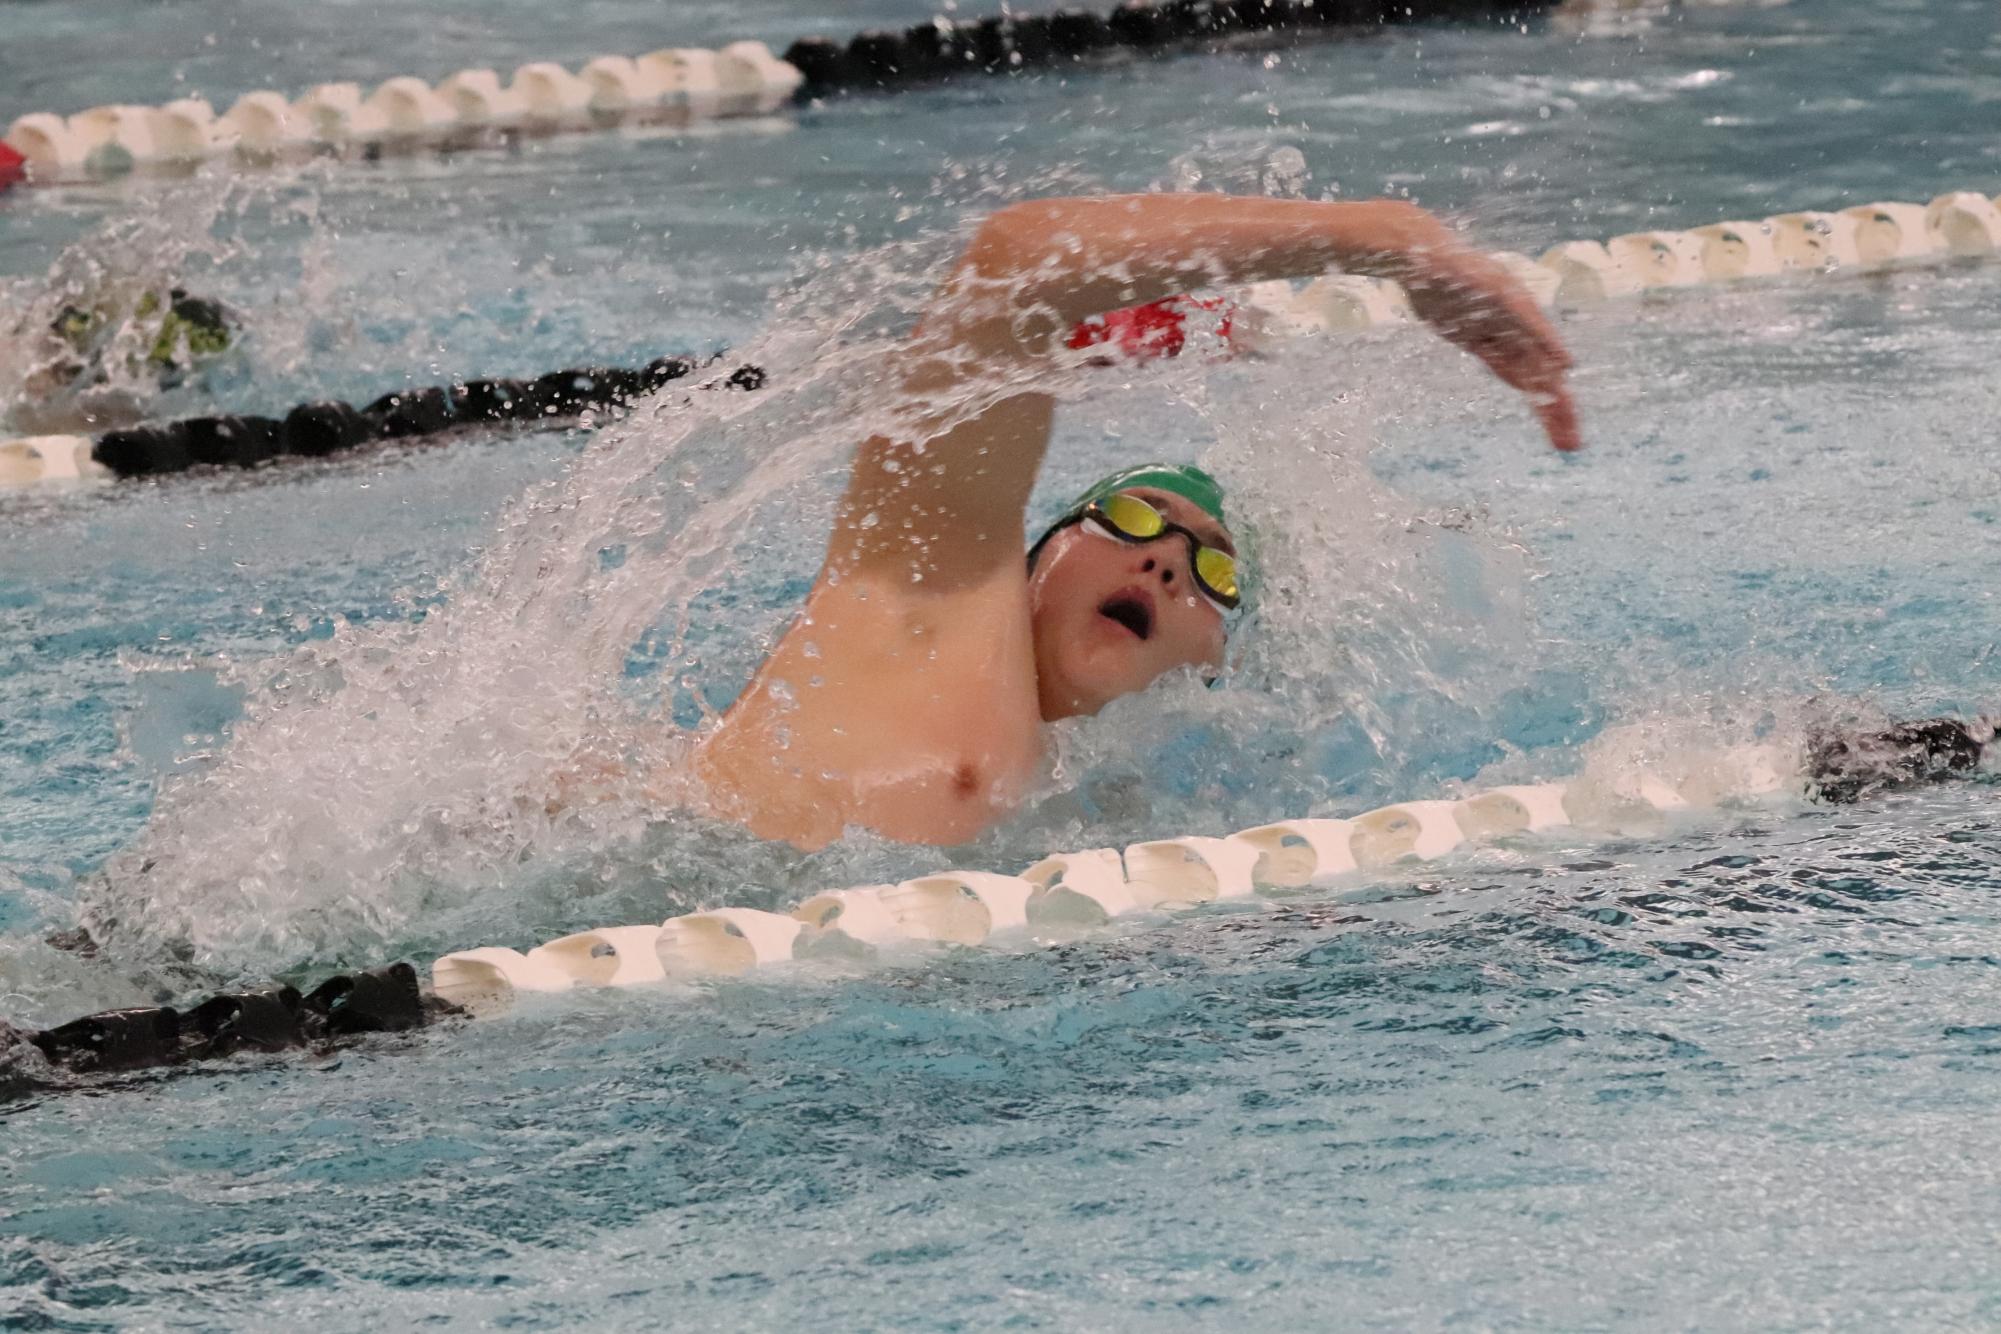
[676, 85]
[1960, 224]
[1065, 894]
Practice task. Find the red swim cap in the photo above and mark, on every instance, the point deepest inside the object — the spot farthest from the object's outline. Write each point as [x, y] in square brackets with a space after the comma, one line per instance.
[12, 166]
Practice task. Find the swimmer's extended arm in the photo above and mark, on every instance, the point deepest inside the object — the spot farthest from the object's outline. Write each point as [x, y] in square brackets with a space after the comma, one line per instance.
[945, 501]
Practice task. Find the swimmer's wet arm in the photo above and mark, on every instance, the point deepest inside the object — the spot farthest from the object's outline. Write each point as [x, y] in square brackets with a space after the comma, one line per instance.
[1035, 269]
[940, 501]
[1044, 265]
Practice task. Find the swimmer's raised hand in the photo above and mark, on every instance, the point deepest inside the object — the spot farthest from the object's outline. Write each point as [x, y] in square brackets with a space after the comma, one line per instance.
[1035, 269]
[1476, 304]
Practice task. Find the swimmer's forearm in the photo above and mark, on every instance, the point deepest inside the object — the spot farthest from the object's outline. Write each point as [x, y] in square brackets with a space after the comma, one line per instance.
[1035, 269]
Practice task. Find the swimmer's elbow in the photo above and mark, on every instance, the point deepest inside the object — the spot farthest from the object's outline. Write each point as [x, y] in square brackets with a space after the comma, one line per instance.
[1013, 262]
[1013, 240]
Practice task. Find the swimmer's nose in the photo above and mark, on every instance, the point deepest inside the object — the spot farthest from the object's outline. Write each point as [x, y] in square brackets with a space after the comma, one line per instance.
[1166, 569]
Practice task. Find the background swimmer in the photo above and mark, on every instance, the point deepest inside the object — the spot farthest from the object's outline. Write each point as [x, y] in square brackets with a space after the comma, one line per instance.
[106, 352]
[908, 696]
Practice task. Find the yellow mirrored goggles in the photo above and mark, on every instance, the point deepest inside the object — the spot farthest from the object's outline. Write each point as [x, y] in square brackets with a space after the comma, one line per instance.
[1126, 517]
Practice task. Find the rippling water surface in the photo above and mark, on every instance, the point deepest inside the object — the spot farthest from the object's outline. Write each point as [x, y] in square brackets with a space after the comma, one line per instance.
[1737, 1079]
[1739, 1074]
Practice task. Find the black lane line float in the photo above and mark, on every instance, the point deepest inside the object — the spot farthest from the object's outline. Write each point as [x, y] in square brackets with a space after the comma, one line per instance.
[315, 430]
[98, 1049]
[884, 59]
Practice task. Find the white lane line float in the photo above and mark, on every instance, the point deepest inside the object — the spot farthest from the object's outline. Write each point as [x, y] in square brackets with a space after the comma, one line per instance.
[1956, 224]
[265, 124]
[723, 942]
[490, 979]
[962, 907]
[1080, 888]
[1815, 241]
[1190, 870]
[1542, 282]
[1301, 854]
[851, 916]
[1885, 233]
[612, 956]
[1587, 272]
[32, 459]
[1965, 223]
[1069, 890]
[1733, 250]
[405, 112]
[1660, 259]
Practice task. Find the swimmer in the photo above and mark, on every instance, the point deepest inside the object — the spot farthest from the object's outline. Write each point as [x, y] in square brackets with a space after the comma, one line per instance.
[98, 362]
[909, 696]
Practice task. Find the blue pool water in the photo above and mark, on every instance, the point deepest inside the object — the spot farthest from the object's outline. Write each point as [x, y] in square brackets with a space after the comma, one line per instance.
[1738, 1074]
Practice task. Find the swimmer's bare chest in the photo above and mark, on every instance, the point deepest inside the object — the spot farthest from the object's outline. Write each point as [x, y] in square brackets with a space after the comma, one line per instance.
[914, 715]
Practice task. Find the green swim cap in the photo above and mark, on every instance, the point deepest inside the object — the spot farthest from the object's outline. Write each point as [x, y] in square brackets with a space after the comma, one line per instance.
[1186, 480]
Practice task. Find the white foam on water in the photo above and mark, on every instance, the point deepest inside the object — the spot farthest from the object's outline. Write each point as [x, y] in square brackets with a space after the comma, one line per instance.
[506, 765]
[400, 780]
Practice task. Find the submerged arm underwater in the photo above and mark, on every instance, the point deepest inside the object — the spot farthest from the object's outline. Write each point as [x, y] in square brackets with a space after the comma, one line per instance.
[908, 696]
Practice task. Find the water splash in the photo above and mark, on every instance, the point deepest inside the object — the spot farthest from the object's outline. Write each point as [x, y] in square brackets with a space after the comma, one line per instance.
[78, 344]
[504, 761]
[394, 771]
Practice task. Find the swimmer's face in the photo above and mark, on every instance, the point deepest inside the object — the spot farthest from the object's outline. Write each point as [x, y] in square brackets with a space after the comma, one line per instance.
[1109, 616]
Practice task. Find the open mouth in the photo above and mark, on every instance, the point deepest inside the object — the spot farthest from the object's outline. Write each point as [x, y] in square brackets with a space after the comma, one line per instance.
[1134, 613]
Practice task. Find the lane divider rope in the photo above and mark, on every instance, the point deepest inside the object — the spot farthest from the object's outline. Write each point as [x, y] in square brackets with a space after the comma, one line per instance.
[1067, 892]
[1053, 900]
[267, 1020]
[476, 107]
[469, 109]
[329, 426]
[945, 47]
[1958, 225]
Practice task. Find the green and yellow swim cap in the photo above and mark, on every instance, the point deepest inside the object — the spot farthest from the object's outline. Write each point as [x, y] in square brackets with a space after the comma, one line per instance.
[1186, 480]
